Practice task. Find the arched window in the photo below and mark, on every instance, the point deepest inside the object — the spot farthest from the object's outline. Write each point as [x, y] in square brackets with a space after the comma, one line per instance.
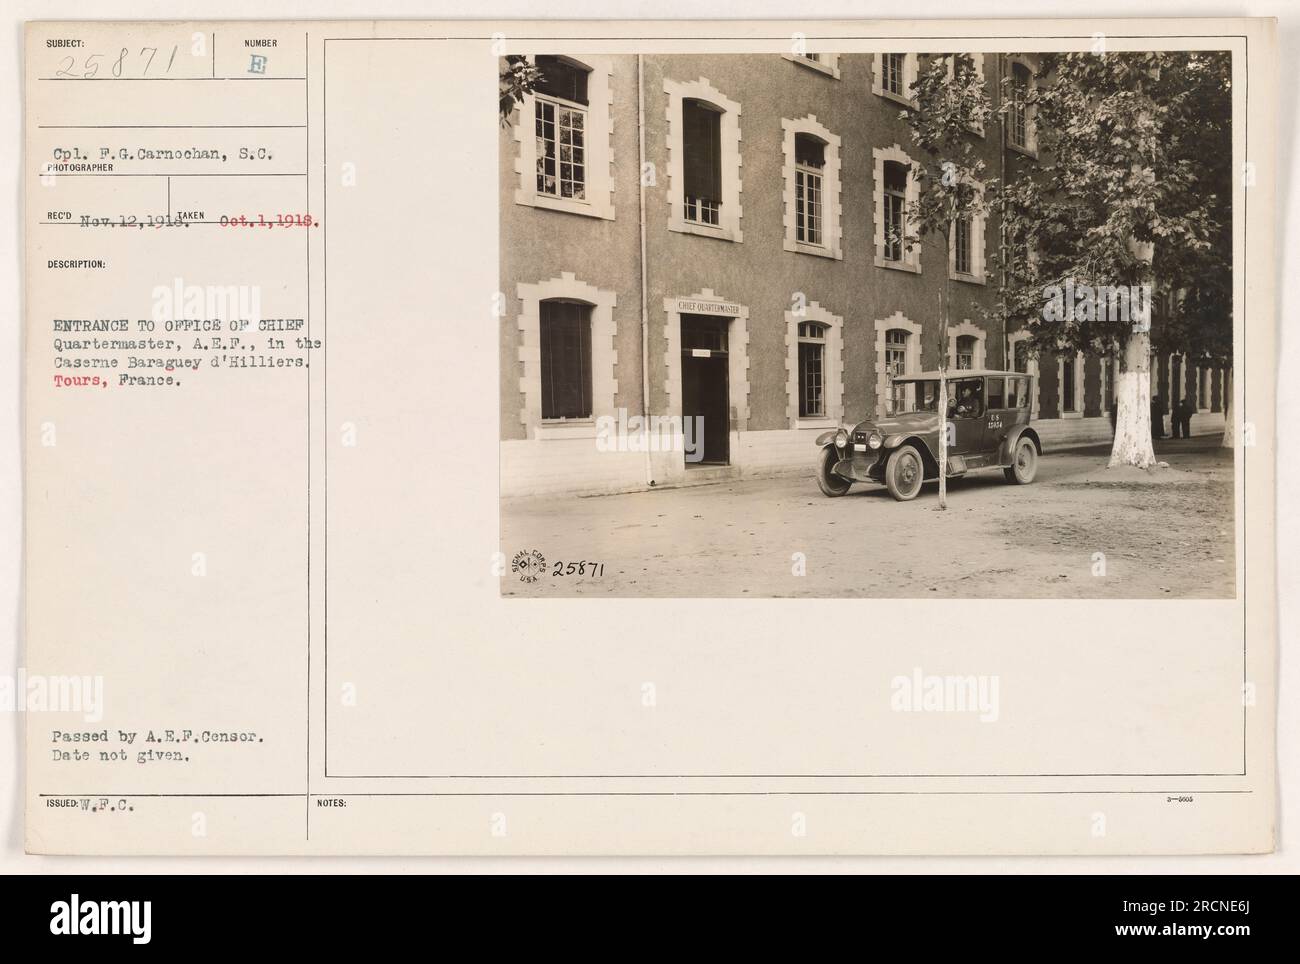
[810, 188]
[809, 196]
[895, 212]
[702, 161]
[565, 338]
[703, 140]
[560, 123]
[965, 352]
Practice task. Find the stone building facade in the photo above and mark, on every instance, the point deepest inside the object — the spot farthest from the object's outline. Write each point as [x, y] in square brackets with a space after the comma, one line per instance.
[709, 235]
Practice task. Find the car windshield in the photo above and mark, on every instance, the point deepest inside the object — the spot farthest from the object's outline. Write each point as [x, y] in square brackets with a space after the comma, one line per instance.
[914, 396]
[965, 396]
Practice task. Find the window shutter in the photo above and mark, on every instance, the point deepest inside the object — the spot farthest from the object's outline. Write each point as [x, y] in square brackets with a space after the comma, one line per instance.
[702, 151]
[566, 359]
[559, 78]
[895, 177]
[809, 151]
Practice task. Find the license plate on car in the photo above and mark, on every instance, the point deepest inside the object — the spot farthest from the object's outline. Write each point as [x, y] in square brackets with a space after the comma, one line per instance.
[859, 446]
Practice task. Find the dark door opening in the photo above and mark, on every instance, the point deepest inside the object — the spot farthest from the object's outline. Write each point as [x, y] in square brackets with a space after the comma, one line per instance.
[706, 399]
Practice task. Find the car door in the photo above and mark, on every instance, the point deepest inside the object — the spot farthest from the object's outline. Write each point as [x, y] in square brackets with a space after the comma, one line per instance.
[998, 420]
[966, 415]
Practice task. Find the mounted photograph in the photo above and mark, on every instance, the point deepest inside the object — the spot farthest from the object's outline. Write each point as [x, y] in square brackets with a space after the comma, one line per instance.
[894, 324]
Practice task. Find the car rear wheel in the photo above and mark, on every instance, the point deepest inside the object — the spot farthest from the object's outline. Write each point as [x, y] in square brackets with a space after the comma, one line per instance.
[1024, 465]
[904, 473]
[830, 483]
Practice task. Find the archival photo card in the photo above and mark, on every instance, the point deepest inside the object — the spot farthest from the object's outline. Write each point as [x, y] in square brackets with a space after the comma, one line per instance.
[625, 438]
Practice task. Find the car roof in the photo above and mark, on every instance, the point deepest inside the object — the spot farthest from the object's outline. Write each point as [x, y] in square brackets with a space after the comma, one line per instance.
[955, 373]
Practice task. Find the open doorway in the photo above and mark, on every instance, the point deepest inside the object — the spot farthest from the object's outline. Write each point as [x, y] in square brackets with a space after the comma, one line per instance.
[706, 394]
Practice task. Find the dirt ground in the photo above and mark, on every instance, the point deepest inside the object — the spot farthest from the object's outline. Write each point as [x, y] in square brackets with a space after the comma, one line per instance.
[1166, 539]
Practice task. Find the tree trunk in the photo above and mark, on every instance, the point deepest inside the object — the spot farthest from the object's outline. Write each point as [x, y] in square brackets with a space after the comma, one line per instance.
[1229, 429]
[943, 394]
[1133, 405]
[1133, 393]
[943, 438]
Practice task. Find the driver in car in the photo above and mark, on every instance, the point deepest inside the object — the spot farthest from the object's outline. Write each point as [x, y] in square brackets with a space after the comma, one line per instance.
[969, 403]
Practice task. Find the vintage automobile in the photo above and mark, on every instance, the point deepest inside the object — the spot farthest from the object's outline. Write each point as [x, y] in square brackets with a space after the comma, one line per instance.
[988, 427]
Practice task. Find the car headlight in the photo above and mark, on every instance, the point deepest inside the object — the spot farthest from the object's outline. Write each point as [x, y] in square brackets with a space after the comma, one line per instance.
[875, 440]
[841, 439]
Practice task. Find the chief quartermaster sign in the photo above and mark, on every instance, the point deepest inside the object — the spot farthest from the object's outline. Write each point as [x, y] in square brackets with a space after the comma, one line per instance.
[692, 307]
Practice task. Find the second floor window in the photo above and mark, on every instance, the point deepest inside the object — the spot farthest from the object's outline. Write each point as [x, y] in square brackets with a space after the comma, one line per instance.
[961, 241]
[812, 366]
[892, 66]
[565, 329]
[702, 161]
[895, 197]
[560, 123]
[1019, 128]
[810, 161]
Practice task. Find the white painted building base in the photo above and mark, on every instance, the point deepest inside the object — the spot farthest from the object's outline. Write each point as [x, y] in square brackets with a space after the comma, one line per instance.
[1062, 432]
[567, 467]
[1059, 433]
[551, 467]
[1207, 423]
[544, 467]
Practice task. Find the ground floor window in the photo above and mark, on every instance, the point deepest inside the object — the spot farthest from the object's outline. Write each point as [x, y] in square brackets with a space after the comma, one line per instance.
[812, 370]
[966, 352]
[565, 359]
[896, 365]
[1069, 382]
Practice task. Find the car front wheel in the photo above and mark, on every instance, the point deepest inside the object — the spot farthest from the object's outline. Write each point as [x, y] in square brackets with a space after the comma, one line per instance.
[830, 483]
[904, 473]
[1025, 464]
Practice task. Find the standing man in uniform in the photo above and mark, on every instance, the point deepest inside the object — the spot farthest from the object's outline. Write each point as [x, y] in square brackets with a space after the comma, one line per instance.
[1157, 417]
[1183, 418]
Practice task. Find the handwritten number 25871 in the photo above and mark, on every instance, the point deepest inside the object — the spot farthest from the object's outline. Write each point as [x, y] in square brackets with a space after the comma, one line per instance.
[90, 67]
